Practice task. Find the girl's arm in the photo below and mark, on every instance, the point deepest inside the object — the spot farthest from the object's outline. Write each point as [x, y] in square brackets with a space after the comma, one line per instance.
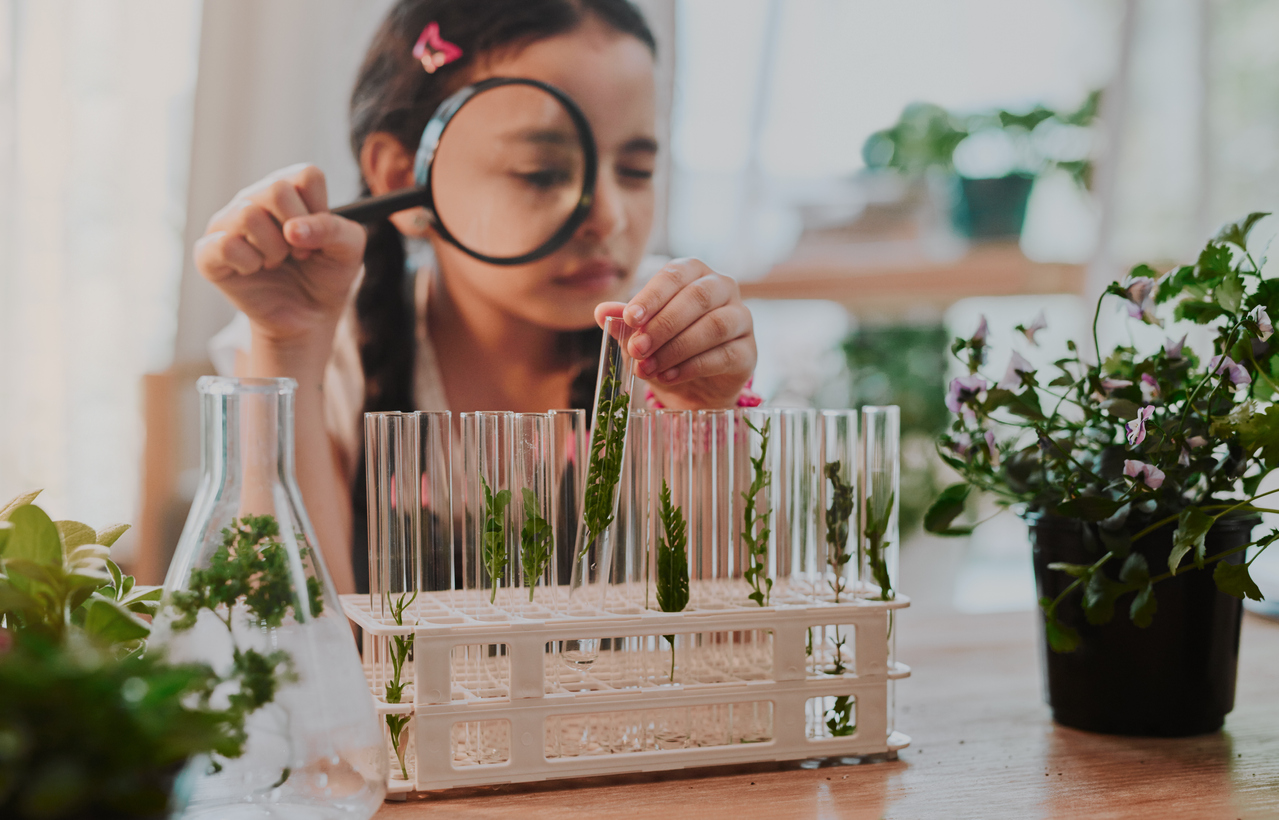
[289, 265]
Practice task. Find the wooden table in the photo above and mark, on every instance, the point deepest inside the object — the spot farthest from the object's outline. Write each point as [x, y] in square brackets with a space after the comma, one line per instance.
[984, 748]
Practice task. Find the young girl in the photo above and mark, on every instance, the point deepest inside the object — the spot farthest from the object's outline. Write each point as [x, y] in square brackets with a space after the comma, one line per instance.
[464, 335]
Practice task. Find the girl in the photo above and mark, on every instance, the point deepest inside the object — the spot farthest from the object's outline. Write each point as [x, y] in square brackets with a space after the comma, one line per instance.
[464, 335]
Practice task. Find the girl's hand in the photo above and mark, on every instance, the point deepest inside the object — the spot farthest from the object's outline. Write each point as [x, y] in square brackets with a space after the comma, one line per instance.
[279, 256]
[694, 340]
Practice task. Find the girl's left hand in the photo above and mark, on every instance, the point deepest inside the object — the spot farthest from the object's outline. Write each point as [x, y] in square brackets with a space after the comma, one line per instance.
[694, 340]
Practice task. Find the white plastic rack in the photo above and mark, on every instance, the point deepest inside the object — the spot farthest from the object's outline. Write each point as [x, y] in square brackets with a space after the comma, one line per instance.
[804, 678]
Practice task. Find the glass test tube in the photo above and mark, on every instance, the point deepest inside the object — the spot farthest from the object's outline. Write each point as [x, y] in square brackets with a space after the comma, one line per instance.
[672, 576]
[567, 469]
[716, 554]
[838, 520]
[881, 497]
[489, 563]
[391, 454]
[795, 558]
[631, 526]
[532, 494]
[435, 470]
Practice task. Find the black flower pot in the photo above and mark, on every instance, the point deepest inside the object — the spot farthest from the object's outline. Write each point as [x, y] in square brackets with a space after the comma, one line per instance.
[992, 208]
[1173, 678]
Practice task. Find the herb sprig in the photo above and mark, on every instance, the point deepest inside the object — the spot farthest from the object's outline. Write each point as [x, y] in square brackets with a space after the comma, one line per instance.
[838, 516]
[401, 649]
[494, 536]
[755, 530]
[877, 544]
[604, 470]
[672, 563]
[537, 542]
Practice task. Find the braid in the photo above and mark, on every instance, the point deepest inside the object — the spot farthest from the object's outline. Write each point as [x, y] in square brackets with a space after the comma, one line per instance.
[387, 318]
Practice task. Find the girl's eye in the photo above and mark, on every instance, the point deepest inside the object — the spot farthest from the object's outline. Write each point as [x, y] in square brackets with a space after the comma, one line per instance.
[546, 179]
[642, 174]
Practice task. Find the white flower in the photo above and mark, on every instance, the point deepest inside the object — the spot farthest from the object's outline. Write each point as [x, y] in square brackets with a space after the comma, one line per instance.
[1016, 366]
[1037, 325]
[1261, 319]
[1147, 474]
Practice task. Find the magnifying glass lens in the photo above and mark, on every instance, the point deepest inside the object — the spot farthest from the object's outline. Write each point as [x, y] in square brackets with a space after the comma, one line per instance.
[508, 171]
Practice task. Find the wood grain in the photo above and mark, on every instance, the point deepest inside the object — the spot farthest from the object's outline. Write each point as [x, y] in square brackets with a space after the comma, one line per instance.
[984, 748]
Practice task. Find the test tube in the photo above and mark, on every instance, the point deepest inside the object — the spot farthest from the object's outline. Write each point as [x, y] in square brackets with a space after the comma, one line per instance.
[391, 455]
[532, 523]
[795, 554]
[489, 563]
[567, 468]
[606, 453]
[838, 520]
[716, 554]
[435, 484]
[631, 526]
[881, 496]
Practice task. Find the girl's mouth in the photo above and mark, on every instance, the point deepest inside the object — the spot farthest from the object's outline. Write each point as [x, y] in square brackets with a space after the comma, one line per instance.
[594, 276]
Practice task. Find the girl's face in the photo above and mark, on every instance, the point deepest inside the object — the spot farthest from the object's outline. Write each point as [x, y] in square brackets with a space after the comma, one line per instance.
[610, 76]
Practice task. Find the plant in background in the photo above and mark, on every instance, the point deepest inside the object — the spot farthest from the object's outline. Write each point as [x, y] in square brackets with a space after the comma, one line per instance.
[537, 543]
[1034, 142]
[494, 546]
[755, 531]
[905, 366]
[1134, 443]
[91, 723]
[401, 648]
[604, 470]
[672, 563]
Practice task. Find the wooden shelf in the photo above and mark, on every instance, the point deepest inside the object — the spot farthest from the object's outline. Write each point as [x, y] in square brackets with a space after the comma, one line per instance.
[894, 279]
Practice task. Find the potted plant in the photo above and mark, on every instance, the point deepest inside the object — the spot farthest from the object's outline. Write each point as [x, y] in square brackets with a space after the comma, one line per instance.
[1139, 476]
[1007, 151]
[93, 724]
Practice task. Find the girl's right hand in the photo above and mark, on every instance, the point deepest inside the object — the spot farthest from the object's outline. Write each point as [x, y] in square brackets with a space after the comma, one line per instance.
[279, 256]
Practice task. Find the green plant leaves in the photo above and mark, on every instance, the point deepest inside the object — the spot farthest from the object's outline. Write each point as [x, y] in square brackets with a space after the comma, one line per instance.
[34, 537]
[1061, 638]
[1099, 597]
[1089, 508]
[537, 542]
[107, 537]
[1229, 294]
[1144, 606]
[672, 557]
[21, 501]
[1192, 525]
[1236, 232]
[1135, 570]
[948, 506]
[1233, 579]
[109, 623]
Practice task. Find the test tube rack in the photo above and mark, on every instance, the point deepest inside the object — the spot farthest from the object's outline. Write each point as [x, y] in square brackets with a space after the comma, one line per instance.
[493, 701]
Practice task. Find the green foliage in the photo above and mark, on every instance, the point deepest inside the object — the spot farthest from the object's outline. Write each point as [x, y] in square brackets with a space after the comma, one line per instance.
[878, 513]
[604, 469]
[537, 543]
[672, 563]
[401, 650]
[840, 723]
[948, 506]
[927, 135]
[755, 529]
[494, 537]
[91, 723]
[838, 516]
[1138, 441]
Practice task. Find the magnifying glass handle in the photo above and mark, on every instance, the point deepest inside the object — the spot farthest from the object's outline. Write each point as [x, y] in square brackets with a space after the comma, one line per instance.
[380, 207]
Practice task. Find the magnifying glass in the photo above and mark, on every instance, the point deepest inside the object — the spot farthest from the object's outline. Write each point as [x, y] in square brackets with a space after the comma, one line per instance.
[506, 169]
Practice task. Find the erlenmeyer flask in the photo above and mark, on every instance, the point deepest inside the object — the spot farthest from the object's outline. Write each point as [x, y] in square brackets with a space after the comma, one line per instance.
[248, 594]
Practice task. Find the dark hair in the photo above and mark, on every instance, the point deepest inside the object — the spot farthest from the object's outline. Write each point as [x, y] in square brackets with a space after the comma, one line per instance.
[394, 94]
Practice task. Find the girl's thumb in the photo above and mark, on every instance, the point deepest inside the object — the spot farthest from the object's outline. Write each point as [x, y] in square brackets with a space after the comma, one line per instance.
[324, 232]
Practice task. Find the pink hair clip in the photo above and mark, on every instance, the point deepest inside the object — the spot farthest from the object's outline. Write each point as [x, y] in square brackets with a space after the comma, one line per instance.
[433, 51]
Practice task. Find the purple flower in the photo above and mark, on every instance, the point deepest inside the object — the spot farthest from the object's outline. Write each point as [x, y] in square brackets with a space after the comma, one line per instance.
[1173, 349]
[1147, 474]
[1039, 324]
[1137, 427]
[1114, 384]
[1016, 366]
[960, 444]
[1226, 366]
[1261, 319]
[964, 392]
[1149, 387]
[1141, 299]
[1196, 441]
[979, 338]
[991, 449]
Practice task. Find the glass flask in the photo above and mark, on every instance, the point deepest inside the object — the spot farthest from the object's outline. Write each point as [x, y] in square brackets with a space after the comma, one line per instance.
[315, 748]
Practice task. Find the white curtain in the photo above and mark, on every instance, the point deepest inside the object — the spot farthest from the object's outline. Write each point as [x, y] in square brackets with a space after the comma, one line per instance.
[95, 125]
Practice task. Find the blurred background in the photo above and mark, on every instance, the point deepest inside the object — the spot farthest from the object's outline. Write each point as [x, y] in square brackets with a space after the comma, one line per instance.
[877, 173]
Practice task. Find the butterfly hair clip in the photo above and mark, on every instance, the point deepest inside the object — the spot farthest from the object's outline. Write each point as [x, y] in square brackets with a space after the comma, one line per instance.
[434, 52]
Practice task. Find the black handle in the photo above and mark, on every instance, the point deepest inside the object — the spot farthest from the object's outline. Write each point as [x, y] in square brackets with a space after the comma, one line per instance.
[380, 207]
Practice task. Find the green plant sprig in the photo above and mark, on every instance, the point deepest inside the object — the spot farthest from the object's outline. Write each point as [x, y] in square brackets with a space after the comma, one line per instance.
[1154, 440]
[401, 650]
[537, 543]
[877, 544]
[494, 535]
[755, 530]
[838, 516]
[672, 563]
[608, 446]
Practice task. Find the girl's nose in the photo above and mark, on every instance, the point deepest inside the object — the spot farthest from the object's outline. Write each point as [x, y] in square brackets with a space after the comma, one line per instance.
[607, 216]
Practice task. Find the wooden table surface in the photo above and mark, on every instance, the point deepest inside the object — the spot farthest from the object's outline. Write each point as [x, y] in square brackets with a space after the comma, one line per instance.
[983, 748]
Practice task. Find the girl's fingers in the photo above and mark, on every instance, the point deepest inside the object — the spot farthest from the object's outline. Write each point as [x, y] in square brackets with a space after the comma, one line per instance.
[693, 302]
[336, 237]
[669, 281]
[221, 254]
[262, 232]
[711, 330]
[737, 356]
[605, 310]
